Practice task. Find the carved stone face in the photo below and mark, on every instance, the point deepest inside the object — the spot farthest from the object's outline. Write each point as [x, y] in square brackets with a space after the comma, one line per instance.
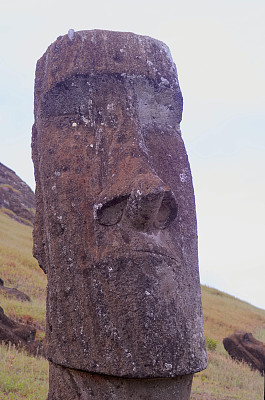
[242, 346]
[116, 227]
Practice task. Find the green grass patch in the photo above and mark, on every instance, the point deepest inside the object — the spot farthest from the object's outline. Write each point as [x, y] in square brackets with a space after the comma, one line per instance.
[211, 344]
[22, 377]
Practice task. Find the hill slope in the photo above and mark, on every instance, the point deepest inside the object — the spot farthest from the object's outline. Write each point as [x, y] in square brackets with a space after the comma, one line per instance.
[224, 314]
[224, 379]
[16, 198]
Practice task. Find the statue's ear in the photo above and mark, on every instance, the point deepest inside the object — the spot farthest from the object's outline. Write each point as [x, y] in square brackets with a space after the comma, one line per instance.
[39, 242]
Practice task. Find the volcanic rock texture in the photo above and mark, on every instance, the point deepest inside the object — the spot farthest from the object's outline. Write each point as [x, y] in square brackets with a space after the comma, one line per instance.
[115, 226]
[242, 346]
[19, 335]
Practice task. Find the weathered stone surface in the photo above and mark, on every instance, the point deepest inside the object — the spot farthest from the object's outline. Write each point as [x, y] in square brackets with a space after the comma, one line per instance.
[115, 226]
[16, 198]
[22, 332]
[242, 346]
[66, 383]
[19, 335]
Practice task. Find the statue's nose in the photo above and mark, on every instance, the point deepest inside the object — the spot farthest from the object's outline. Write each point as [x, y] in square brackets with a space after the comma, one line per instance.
[150, 206]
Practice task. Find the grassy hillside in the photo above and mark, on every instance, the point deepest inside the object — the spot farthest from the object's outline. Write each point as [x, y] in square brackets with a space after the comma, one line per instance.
[23, 377]
[223, 314]
[20, 270]
[225, 379]
[17, 200]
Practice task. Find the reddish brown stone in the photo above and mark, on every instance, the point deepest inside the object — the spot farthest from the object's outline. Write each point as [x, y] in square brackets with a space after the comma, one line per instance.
[242, 346]
[19, 335]
[78, 385]
[11, 331]
[115, 225]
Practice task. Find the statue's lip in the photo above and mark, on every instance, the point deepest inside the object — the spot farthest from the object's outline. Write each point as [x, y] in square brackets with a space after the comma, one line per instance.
[133, 253]
[156, 253]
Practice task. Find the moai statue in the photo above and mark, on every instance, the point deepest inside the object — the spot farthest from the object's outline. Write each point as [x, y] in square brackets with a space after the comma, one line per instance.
[115, 227]
[243, 347]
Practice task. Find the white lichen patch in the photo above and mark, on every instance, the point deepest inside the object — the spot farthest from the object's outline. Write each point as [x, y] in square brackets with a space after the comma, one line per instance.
[71, 34]
[110, 107]
[98, 137]
[184, 175]
[168, 366]
[154, 237]
[85, 120]
[96, 207]
[128, 354]
[165, 81]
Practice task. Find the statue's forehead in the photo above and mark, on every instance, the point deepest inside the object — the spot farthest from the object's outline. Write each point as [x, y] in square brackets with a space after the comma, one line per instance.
[113, 118]
[103, 96]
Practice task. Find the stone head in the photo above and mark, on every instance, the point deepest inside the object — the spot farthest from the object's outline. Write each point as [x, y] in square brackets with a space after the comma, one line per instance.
[115, 226]
[242, 346]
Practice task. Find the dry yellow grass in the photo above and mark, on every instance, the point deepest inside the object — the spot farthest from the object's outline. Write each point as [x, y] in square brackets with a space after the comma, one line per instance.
[223, 314]
[225, 379]
[20, 270]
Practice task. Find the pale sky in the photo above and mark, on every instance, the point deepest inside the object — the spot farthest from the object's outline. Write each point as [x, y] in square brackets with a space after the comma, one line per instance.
[218, 47]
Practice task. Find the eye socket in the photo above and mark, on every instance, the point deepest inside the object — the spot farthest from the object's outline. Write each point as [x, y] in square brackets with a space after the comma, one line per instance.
[111, 212]
[167, 211]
